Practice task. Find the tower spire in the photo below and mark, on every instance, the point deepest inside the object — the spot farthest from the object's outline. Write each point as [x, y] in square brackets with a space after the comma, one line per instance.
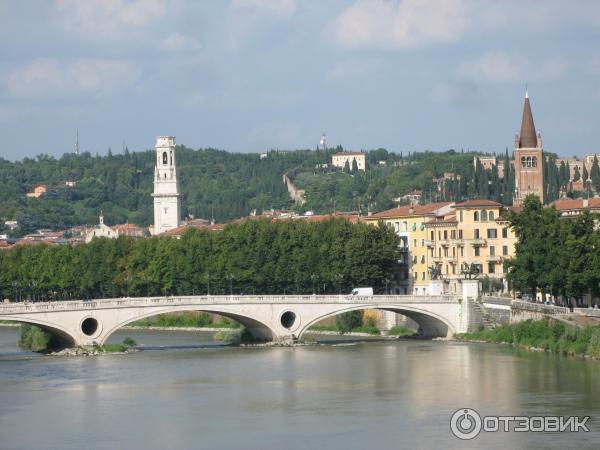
[527, 136]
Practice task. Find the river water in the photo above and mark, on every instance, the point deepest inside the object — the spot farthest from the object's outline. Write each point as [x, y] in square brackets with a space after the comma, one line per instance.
[186, 391]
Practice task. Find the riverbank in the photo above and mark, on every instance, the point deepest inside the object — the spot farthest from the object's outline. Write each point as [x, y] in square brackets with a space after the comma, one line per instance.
[548, 335]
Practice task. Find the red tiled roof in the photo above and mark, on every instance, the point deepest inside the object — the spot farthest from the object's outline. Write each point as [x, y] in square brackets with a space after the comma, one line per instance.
[411, 210]
[477, 203]
[563, 204]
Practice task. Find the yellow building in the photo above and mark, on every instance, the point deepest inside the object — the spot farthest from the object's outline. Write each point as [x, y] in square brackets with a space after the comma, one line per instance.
[409, 223]
[476, 232]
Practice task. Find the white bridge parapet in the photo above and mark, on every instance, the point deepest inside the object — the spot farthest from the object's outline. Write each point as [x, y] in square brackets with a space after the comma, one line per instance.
[267, 317]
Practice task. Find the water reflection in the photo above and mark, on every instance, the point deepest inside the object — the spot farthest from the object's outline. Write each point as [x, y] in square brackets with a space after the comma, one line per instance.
[196, 394]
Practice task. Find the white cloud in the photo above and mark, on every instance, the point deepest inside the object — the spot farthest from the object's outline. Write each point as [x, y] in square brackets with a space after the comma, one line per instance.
[280, 8]
[177, 42]
[500, 67]
[103, 19]
[51, 78]
[399, 24]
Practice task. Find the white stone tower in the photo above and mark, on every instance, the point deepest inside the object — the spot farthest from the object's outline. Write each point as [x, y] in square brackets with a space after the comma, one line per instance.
[167, 209]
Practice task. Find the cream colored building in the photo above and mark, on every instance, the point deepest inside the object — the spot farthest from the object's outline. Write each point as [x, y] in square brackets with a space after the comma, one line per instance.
[340, 159]
[409, 224]
[476, 232]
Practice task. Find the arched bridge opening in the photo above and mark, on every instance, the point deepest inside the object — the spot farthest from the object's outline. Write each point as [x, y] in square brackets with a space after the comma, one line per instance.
[431, 325]
[61, 338]
[259, 330]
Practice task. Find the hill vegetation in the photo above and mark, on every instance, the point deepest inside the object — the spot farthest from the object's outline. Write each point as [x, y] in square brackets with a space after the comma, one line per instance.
[225, 186]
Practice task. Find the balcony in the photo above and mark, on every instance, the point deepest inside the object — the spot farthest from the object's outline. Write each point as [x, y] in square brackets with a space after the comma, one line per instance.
[429, 243]
[477, 241]
[494, 258]
[451, 259]
[436, 259]
[460, 242]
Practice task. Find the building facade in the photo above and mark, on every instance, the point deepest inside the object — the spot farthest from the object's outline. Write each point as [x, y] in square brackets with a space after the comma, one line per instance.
[409, 224]
[529, 167]
[448, 237]
[167, 202]
[476, 233]
[340, 159]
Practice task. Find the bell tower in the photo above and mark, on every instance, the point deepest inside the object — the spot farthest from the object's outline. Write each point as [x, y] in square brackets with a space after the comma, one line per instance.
[167, 208]
[529, 160]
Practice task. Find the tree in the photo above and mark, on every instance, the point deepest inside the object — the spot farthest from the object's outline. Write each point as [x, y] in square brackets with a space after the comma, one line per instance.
[346, 322]
[577, 175]
[595, 174]
[354, 166]
[346, 167]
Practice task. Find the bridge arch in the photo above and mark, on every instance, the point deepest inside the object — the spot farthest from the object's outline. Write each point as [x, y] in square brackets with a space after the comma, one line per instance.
[259, 330]
[431, 324]
[64, 336]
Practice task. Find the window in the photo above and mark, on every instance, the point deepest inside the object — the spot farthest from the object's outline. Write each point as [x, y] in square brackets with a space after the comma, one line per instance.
[423, 276]
[432, 235]
[492, 250]
[453, 234]
[453, 251]
[491, 233]
[439, 235]
[445, 234]
[405, 226]
[423, 259]
[415, 259]
[462, 251]
[491, 215]
[476, 216]
[397, 226]
[416, 276]
[484, 215]
[445, 251]
[505, 250]
[414, 242]
[460, 215]
[165, 158]
[460, 234]
[476, 233]
[491, 268]
[422, 242]
[477, 251]
[414, 227]
[453, 269]
[440, 252]
[504, 232]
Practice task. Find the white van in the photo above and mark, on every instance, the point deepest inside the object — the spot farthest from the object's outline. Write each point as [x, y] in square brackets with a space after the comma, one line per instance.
[362, 291]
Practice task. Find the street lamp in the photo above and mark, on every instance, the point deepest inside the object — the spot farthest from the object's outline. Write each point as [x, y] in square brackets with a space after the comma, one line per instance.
[208, 282]
[230, 276]
[313, 277]
[338, 278]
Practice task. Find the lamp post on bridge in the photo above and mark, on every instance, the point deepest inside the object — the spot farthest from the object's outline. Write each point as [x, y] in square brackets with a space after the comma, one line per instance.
[313, 277]
[231, 277]
[208, 283]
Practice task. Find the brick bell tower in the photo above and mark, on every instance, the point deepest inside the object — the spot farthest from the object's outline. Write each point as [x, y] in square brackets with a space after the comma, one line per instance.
[529, 162]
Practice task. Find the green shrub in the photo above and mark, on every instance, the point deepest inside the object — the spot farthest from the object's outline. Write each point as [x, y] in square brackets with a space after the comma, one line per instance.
[35, 339]
[400, 331]
[346, 322]
[129, 342]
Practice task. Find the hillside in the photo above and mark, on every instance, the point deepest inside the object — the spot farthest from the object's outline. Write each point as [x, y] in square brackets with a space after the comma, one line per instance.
[226, 186]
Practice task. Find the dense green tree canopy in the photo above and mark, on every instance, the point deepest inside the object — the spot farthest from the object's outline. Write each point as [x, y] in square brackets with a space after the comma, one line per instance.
[256, 256]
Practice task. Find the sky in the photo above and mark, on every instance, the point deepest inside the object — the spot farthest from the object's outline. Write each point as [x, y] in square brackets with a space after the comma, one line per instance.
[254, 75]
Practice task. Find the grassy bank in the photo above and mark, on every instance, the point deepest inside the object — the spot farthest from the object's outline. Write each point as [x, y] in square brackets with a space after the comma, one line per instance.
[36, 340]
[548, 335]
[185, 320]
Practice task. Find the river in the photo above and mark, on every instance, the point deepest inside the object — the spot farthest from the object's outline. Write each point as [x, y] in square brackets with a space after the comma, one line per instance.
[187, 391]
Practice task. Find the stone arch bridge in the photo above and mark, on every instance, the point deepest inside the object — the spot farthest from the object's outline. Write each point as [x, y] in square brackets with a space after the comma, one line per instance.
[270, 318]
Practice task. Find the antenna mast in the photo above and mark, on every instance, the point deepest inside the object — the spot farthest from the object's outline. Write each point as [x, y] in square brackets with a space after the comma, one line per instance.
[77, 143]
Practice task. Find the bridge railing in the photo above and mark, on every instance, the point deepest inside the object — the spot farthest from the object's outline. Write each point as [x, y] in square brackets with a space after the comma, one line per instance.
[539, 307]
[133, 302]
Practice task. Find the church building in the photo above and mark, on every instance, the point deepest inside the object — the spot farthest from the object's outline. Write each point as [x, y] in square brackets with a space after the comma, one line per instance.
[529, 167]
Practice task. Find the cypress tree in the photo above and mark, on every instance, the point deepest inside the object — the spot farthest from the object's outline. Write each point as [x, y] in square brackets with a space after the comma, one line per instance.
[596, 174]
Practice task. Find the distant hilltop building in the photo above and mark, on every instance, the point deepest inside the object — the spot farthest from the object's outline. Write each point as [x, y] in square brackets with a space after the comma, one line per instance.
[340, 159]
[167, 202]
[38, 191]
